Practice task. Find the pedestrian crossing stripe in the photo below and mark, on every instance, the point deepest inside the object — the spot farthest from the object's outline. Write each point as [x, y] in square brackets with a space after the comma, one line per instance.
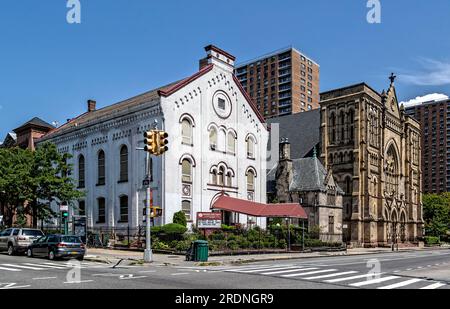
[309, 272]
[44, 266]
[289, 271]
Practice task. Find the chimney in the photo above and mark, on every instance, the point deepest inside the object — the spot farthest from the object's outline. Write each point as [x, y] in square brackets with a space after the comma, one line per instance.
[218, 57]
[91, 105]
[285, 150]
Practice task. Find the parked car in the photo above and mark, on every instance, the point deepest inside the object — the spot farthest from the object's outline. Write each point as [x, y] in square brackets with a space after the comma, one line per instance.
[17, 240]
[58, 246]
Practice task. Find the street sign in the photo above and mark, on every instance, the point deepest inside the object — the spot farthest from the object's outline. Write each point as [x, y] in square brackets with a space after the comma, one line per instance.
[64, 208]
[209, 220]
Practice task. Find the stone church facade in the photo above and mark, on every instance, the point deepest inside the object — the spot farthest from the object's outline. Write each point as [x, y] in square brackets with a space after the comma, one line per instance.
[373, 149]
[306, 181]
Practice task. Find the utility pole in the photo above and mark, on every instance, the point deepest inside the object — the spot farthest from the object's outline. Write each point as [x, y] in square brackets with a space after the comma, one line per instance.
[148, 254]
[156, 144]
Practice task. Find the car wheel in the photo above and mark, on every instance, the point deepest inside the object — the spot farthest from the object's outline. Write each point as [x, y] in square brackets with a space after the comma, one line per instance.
[11, 250]
[80, 258]
[30, 253]
[51, 255]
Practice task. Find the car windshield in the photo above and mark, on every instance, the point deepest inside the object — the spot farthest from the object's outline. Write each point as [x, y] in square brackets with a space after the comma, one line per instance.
[32, 233]
[71, 239]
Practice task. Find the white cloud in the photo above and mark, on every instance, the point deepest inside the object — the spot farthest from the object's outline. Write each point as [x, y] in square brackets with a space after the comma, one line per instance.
[433, 73]
[426, 98]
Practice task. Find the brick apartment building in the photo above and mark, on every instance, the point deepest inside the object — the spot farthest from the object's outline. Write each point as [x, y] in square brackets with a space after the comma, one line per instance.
[434, 118]
[281, 83]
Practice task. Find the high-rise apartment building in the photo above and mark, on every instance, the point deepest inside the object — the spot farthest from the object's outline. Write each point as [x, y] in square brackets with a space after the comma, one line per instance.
[281, 83]
[434, 118]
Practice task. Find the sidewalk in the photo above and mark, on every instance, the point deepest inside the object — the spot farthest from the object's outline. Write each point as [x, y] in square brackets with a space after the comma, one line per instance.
[134, 258]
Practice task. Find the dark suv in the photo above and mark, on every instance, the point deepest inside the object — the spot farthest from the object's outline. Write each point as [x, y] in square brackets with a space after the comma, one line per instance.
[17, 240]
[58, 246]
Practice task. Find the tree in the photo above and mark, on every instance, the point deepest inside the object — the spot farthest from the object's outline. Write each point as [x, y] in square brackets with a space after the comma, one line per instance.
[31, 181]
[51, 182]
[436, 210]
[15, 181]
[180, 218]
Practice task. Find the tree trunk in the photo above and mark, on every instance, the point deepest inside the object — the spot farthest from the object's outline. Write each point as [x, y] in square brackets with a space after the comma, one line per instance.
[34, 214]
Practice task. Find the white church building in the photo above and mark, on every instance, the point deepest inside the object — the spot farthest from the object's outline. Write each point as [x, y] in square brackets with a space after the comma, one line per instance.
[218, 141]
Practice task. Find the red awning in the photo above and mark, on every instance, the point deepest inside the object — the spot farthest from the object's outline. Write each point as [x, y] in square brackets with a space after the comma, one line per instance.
[260, 210]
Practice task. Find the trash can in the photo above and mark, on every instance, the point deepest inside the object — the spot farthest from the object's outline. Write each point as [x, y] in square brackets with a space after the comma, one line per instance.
[201, 251]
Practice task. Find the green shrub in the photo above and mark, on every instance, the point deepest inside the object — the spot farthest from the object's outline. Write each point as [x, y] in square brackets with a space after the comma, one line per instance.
[180, 218]
[227, 228]
[183, 245]
[173, 229]
[282, 244]
[159, 245]
[233, 245]
[432, 240]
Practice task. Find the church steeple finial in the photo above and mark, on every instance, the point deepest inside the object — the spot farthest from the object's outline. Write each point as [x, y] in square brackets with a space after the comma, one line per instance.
[392, 78]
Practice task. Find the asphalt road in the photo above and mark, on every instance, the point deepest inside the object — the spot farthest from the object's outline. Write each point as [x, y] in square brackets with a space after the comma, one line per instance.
[406, 270]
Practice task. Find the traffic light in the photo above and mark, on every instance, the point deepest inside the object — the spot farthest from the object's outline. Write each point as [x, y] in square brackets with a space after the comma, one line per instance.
[156, 212]
[150, 141]
[162, 142]
[65, 214]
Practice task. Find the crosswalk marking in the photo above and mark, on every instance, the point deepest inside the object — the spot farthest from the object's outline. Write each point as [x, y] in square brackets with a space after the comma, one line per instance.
[288, 271]
[400, 284]
[22, 266]
[310, 273]
[374, 281]
[9, 269]
[252, 268]
[332, 275]
[350, 278]
[433, 286]
[265, 269]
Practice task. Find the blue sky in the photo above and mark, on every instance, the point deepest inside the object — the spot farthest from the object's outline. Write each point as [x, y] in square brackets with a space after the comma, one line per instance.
[49, 68]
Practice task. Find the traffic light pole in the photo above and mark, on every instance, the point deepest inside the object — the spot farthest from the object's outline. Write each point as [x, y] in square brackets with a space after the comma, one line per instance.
[148, 255]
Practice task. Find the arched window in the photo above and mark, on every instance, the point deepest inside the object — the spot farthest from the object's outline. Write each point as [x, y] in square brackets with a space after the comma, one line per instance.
[123, 164]
[187, 209]
[186, 131]
[101, 168]
[250, 180]
[250, 148]
[231, 143]
[229, 179]
[342, 126]
[186, 170]
[221, 176]
[332, 126]
[81, 172]
[351, 125]
[214, 176]
[102, 210]
[123, 209]
[213, 138]
[392, 170]
[348, 186]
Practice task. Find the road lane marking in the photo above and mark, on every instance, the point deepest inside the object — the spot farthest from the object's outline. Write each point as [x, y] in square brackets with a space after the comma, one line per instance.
[374, 281]
[45, 278]
[309, 273]
[399, 285]
[179, 274]
[9, 269]
[24, 267]
[79, 282]
[352, 278]
[131, 277]
[45, 266]
[332, 275]
[433, 286]
[147, 271]
[10, 286]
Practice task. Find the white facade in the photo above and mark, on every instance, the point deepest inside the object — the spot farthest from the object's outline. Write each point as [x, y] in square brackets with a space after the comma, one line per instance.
[190, 112]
